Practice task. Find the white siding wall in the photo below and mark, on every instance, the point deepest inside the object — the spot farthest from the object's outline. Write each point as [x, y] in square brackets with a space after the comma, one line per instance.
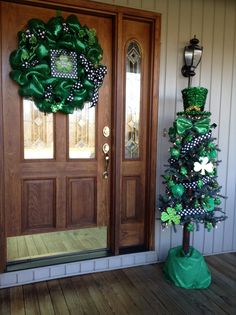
[214, 23]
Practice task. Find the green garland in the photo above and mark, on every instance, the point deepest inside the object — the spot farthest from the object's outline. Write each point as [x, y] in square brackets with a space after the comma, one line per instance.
[57, 64]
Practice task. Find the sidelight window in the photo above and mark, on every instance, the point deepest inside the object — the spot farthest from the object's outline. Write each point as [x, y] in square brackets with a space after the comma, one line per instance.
[132, 100]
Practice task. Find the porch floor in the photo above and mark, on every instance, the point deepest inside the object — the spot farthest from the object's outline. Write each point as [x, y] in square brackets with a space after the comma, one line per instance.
[138, 290]
[55, 243]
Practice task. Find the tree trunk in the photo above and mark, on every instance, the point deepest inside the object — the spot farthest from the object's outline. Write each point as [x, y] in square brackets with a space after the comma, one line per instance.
[186, 239]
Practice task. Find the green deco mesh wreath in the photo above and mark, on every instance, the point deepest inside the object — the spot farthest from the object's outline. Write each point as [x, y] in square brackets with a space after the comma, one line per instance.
[57, 64]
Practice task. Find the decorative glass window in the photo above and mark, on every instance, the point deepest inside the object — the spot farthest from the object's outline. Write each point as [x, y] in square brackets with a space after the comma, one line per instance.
[132, 100]
[38, 132]
[82, 133]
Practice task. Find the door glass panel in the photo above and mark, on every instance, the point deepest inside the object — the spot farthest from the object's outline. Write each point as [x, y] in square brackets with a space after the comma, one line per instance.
[132, 100]
[82, 133]
[38, 132]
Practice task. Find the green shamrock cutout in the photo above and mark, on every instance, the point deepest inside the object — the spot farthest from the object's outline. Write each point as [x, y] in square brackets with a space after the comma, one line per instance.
[190, 227]
[64, 64]
[170, 216]
[208, 226]
[178, 207]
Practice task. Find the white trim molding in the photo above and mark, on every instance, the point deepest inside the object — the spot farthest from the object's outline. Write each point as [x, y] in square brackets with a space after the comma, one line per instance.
[20, 277]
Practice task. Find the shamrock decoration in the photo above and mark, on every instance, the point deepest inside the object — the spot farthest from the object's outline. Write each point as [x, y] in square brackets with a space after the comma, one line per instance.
[64, 63]
[208, 226]
[203, 166]
[170, 216]
[190, 227]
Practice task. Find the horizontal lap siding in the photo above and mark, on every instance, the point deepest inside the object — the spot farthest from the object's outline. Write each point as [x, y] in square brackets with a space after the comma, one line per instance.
[214, 23]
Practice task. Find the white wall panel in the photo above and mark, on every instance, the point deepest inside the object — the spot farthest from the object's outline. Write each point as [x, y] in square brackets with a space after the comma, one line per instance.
[121, 2]
[148, 5]
[214, 23]
[227, 134]
[135, 3]
[224, 118]
[231, 183]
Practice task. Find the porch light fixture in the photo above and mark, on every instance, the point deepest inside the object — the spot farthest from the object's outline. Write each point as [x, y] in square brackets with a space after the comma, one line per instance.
[192, 57]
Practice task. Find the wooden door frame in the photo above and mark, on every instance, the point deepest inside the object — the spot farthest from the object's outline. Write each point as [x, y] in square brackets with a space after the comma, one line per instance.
[3, 246]
[117, 13]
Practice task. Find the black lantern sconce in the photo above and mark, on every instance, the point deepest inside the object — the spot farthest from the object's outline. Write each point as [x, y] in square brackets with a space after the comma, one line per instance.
[192, 57]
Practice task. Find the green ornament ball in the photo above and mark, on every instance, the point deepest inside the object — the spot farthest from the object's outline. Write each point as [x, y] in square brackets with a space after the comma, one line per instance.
[196, 204]
[208, 204]
[217, 201]
[203, 152]
[177, 190]
[212, 154]
[175, 153]
[200, 183]
[171, 132]
[183, 170]
[178, 207]
[170, 183]
[178, 141]
[189, 138]
[211, 145]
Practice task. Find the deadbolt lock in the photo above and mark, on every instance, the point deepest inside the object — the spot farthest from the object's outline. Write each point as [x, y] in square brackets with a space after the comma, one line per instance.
[106, 131]
[105, 148]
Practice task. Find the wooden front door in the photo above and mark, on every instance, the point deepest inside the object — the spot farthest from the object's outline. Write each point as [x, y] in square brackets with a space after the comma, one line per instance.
[63, 188]
[59, 188]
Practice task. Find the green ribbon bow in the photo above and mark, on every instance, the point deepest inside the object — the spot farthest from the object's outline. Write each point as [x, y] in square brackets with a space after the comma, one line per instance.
[201, 126]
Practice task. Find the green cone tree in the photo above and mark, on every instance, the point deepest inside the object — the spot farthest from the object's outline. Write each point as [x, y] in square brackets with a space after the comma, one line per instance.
[192, 193]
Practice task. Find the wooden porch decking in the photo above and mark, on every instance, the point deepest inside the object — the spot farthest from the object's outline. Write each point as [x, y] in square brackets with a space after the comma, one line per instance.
[138, 290]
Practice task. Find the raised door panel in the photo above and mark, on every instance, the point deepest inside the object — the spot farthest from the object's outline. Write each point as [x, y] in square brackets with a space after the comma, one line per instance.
[132, 204]
[38, 205]
[82, 198]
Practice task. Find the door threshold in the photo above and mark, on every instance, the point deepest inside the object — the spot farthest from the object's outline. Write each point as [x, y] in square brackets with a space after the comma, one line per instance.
[28, 263]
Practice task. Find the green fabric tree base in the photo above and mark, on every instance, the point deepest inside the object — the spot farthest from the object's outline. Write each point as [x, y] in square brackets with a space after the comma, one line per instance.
[187, 271]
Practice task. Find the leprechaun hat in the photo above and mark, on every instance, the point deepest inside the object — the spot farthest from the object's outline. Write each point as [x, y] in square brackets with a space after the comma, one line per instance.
[194, 99]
